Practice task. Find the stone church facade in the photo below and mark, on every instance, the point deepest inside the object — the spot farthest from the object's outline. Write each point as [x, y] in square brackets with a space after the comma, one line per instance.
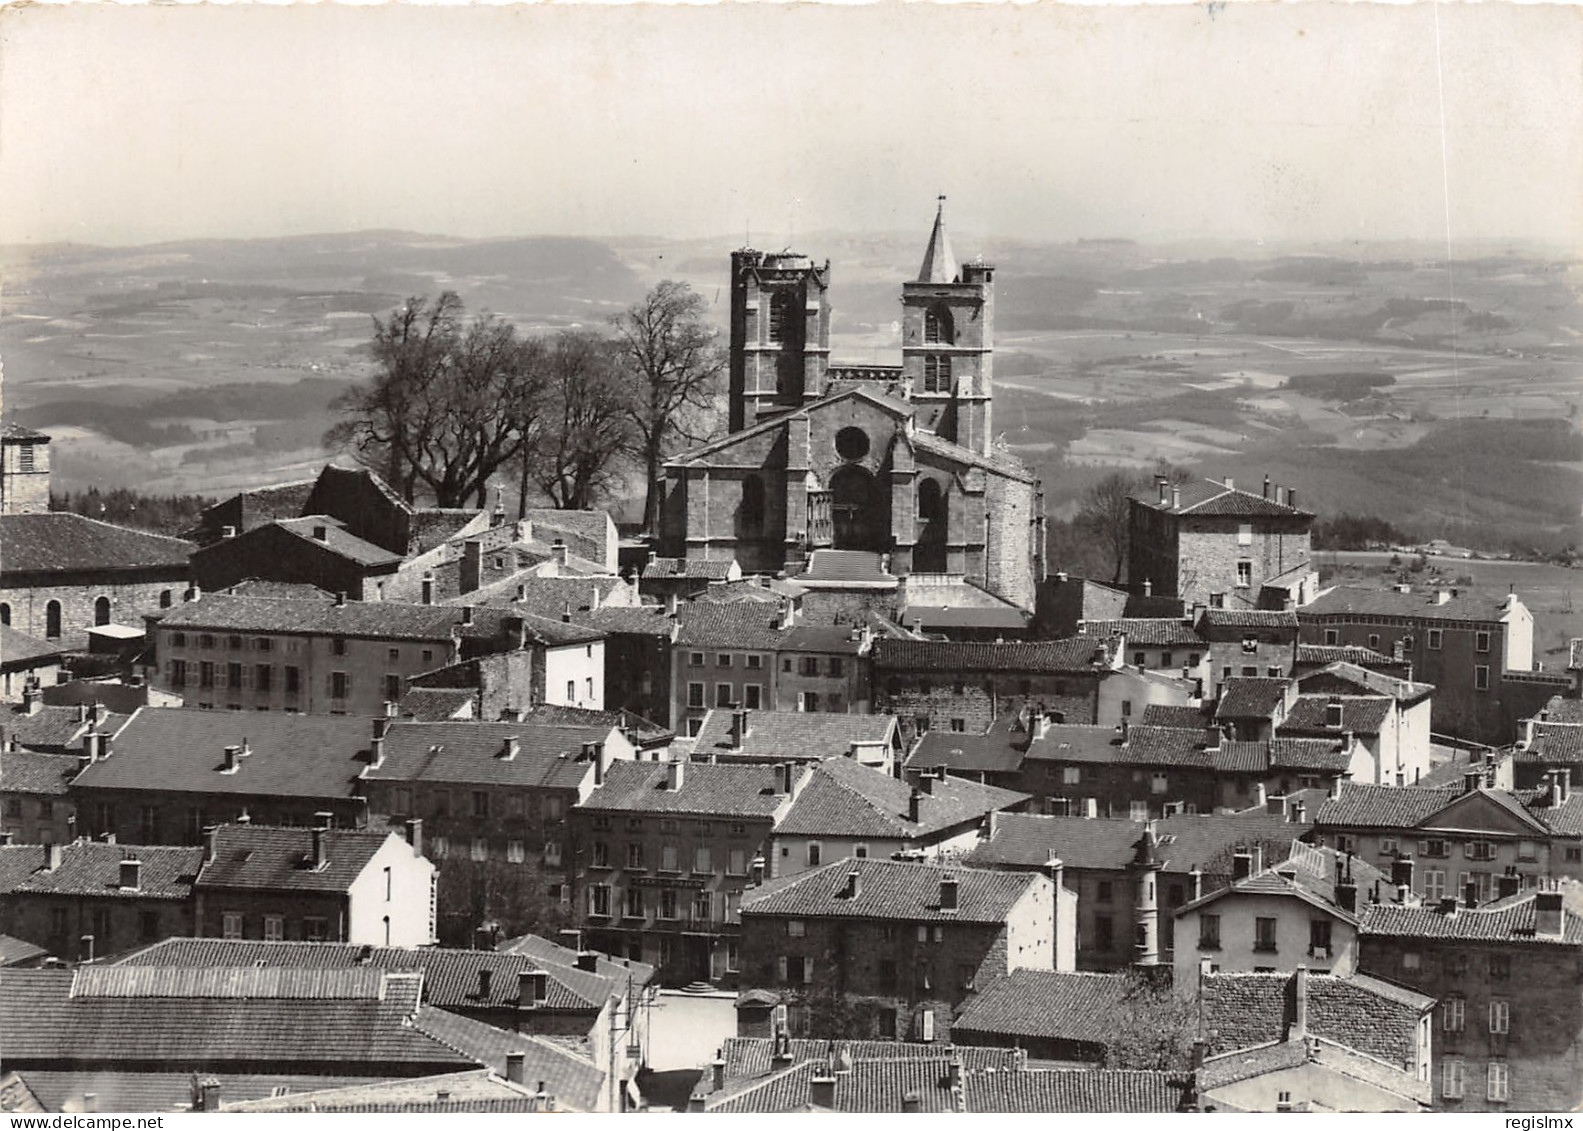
[899, 461]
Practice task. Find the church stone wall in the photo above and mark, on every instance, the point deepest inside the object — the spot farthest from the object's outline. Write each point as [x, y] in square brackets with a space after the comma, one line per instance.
[1008, 560]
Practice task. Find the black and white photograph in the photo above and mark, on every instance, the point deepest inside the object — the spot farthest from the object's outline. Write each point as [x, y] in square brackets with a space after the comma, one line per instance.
[754, 557]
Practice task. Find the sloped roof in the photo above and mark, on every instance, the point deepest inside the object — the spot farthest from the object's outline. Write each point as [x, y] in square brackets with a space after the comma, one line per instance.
[834, 566]
[183, 751]
[1362, 1013]
[61, 542]
[91, 868]
[45, 1019]
[1308, 874]
[377, 619]
[964, 658]
[46, 727]
[337, 539]
[633, 725]
[1287, 753]
[998, 460]
[1023, 840]
[26, 771]
[1174, 716]
[1205, 497]
[1382, 806]
[1145, 632]
[939, 262]
[1322, 654]
[1047, 1004]
[747, 1057]
[135, 1091]
[641, 620]
[699, 569]
[966, 616]
[1511, 921]
[277, 590]
[18, 862]
[843, 798]
[1349, 601]
[573, 1079]
[737, 625]
[15, 951]
[450, 976]
[997, 752]
[1090, 1090]
[280, 858]
[1362, 714]
[1166, 746]
[1251, 697]
[11, 430]
[476, 753]
[1343, 675]
[891, 889]
[1075, 742]
[550, 954]
[707, 790]
[1561, 711]
[795, 735]
[820, 638]
[449, 1093]
[437, 704]
[1248, 618]
[545, 596]
[18, 649]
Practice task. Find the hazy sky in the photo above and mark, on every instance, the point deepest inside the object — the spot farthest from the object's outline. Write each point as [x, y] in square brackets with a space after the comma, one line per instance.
[1278, 121]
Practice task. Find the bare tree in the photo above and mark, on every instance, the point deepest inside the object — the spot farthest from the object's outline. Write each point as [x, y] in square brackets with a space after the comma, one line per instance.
[587, 425]
[1152, 1026]
[668, 347]
[1105, 516]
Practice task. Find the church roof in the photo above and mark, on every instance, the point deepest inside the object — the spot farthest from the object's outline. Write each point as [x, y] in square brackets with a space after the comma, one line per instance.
[939, 264]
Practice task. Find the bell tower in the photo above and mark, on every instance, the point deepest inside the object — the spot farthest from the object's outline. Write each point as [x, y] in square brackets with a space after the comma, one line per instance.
[947, 342]
[780, 334]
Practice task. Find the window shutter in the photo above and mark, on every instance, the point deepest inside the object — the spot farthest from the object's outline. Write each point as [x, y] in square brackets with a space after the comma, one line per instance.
[782, 963]
[926, 1024]
[807, 970]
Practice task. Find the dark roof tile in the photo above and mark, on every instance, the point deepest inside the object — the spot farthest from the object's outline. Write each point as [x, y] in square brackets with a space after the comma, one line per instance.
[1075, 655]
[891, 889]
[61, 542]
[279, 858]
[843, 798]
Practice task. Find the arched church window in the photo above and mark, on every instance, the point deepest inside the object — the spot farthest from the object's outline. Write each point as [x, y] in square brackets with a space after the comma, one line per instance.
[930, 501]
[101, 611]
[937, 373]
[52, 621]
[752, 506]
[782, 311]
[5, 613]
[937, 326]
[851, 443]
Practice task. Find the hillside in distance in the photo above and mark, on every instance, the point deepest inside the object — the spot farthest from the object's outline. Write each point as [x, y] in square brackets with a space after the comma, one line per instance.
[1373, 378]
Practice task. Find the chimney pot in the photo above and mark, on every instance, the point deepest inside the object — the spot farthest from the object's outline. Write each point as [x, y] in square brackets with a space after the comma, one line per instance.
[1548, 914]
[415, 834]
[948, 892]
[515, 1064]
[675, 774]
[131, 875]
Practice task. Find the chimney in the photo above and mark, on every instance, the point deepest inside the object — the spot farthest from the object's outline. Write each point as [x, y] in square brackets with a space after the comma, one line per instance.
[914, 803]
[1231, 484]
[233, 760]
[739, 729]
[510, 748]
[211, 843]
[1472, 780]
[82, 712]
[321, 533]
[1291, 497]
[533, 987]
[515, 1062]
[472, 569]
[566, 612]
[1266, 486]
[1563, 781]
[32, 700]
[1508, 884]
[1176, 498]
[467, 615]
[1241, 864]
[86, 951]
[1402, 873]
[1346, 890]
[52, 857]
[717, 1074]
[321, 825]
[415, 834]
[1091, 807]
[1470, 895]
[131, 875]
[428, 587]
[1299, 1029]
[1333, 713]
[853, 885]
[1196, 880]
[588, 961]
[675, 774]
[486, 980]
[1548, 919]
[756, 873]
[208, 1094]
[1162, 484]
[948, 892]
[1299, 812]
[821, 1090]
[558, 554]
[1055, 868]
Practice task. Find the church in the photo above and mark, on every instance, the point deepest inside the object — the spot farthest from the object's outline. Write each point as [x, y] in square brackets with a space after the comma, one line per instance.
[896, 461]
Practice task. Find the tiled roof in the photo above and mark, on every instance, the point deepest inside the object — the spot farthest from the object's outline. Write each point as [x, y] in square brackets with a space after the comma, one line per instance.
[843, 798]
[1562, 711]
[545, 596]
[1207, 497]
[1575, 654]
[19, 650]
[60, 542]
[747, 1057]
[1382, 806]
[715, 790]
[1105, 844]
[1000, 460]
[1308, 754]
[1175, 716]
[337, 540]
[966, 616]
[1346, 677]
[477, 753]
[1345, 601]
[1513, 921]
[1166, 746]
[1321, 654]
[92, 868]
[25, 771]
[278, 858]
[1251, 697]
[1565, 819]
[1082, 1091]
[141, 1091]
[1362, 714]
[1075, 742]
[891, 889]
[1145, 632]
[1075, 654]
[797, 735]
[430, 526]
[573, 1079]
[374, 619]
[449, 1093]
[18, 862]
[820, 638]
[1245, 1064]
[277, 590]
[995, 752]
[706, 625]
[11, 430]
[1362, 1013]
[15, 951]
[845, 566]
[438, 704]
[46, 727]
[1046, 1004]
[183, 751]
[450, 976]
[640, 620]
[1248, 618]
[694, 568]
[46, 1022]
[1309, 874]
[553, 955]
[633, 725]
[868, 1086]
[1557, 745]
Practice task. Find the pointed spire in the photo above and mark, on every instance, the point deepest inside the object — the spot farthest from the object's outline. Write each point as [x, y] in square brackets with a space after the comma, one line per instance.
[939, 265]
